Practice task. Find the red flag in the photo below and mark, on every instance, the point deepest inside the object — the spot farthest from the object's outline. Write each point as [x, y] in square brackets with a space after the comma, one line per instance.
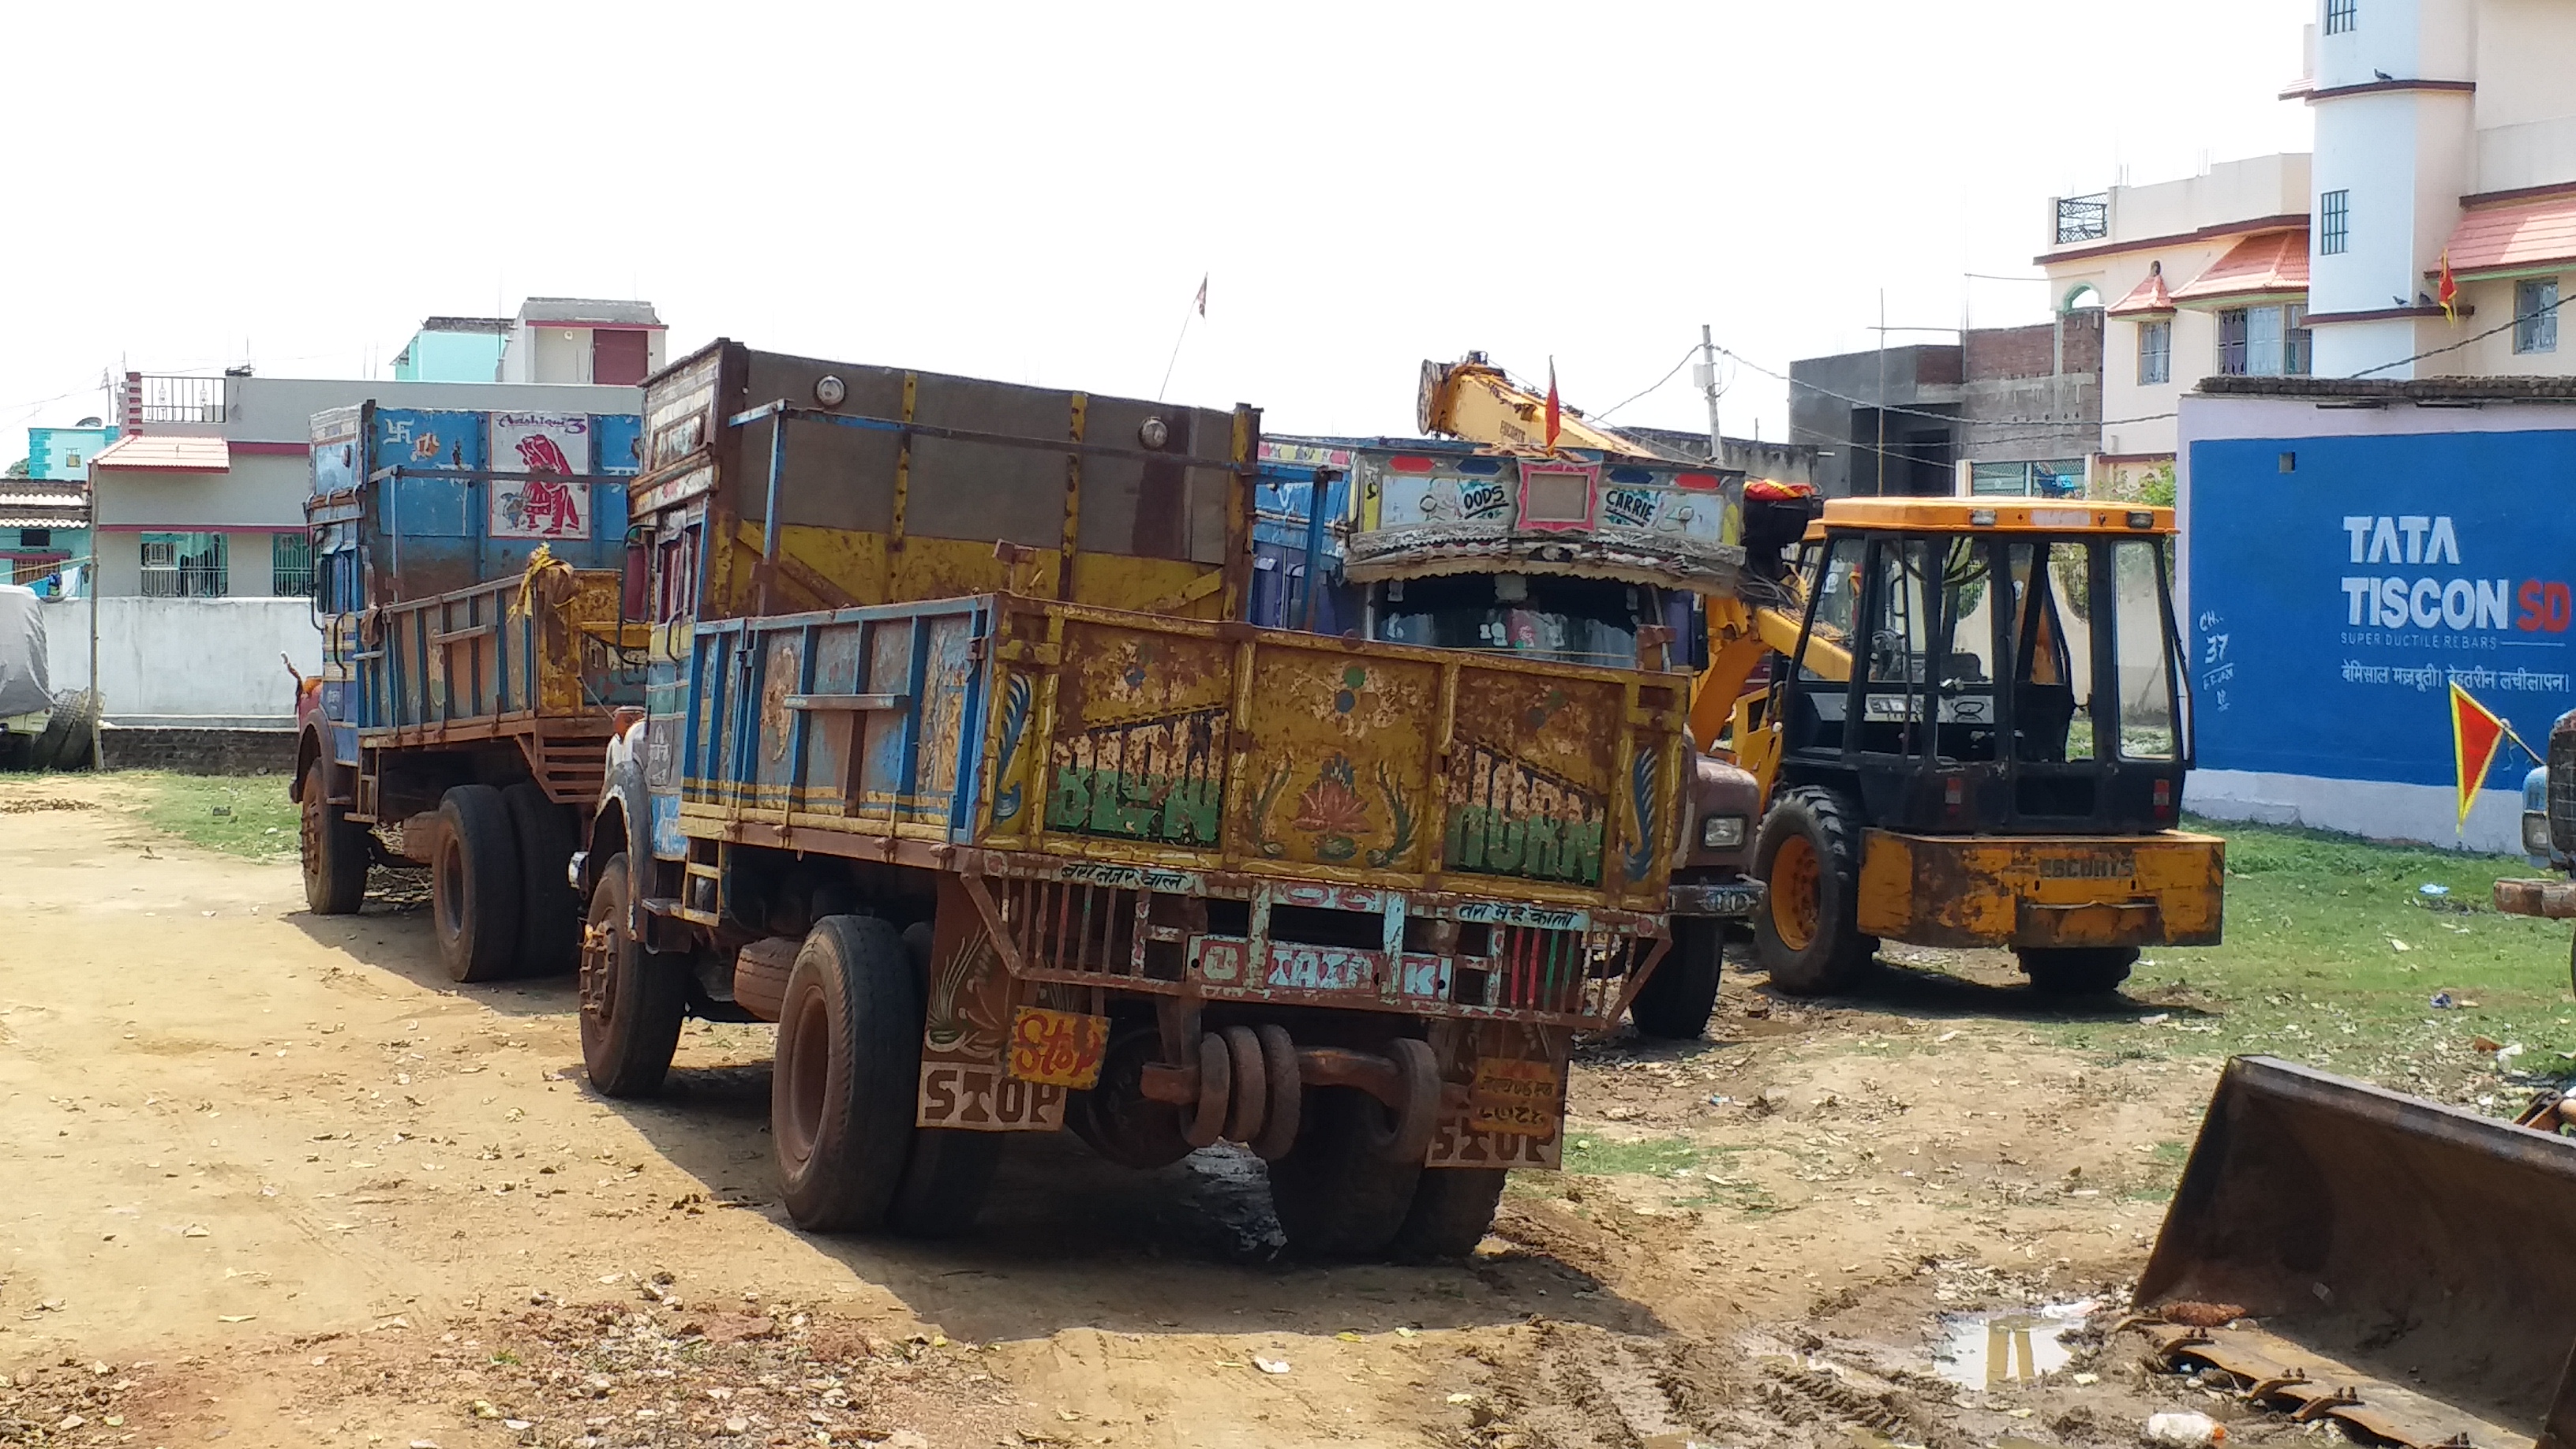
[2476, 735]
[2448, 290]
[1555, 409]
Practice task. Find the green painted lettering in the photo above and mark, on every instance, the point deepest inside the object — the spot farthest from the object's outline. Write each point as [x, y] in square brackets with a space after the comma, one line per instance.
[1069, 803]
[1582, 858]
[1190, 811]
[1538, 848]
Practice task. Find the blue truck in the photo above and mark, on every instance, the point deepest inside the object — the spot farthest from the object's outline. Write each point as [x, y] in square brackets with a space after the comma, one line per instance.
[469, 579]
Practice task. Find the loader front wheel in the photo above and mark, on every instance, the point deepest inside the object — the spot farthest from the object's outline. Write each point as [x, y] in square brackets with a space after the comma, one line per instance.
[2077, 970]
[335, 850]
[632, 998]
[1808, 858]
[474, 885]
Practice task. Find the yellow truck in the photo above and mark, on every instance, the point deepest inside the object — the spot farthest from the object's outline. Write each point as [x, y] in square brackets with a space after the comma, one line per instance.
[1967, 716]
[959, 766]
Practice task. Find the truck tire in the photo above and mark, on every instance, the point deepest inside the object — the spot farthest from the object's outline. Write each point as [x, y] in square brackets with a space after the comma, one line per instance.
[549, 912]
[848, 1066]
[945, 1181]
[474, 885]
[335, 850]
[1808, 858]
[1336, 1192]
[1676, 1001]
[2078, 970]
[1453, 1209]
[632, 999]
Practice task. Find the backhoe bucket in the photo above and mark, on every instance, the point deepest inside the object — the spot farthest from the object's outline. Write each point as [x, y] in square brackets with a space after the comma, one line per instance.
[2409, 1268]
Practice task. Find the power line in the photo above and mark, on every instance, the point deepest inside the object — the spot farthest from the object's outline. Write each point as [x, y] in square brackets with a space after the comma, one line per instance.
[2514, 321]
[1950, 418]
[1604, 414]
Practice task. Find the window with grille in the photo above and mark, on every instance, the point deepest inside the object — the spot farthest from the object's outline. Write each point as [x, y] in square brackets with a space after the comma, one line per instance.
[2264, 341]
[2342, 16]
[290, 565]
[184, 566]
[2535, 315]
[2155, 352]
[2334, 223]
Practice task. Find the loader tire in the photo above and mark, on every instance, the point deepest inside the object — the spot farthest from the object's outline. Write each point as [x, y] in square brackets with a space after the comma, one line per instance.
[2077, 970]
[1676, 1001]
[1337, 1192]
[549, 912]
[474, 885]
[632, 998]
[1808, 859]
[1453, 1209]
[335, 850]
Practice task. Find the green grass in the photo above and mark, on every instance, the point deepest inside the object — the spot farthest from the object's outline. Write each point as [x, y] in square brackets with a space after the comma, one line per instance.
[1663, 1157]
[237, 814]
[2311, 968]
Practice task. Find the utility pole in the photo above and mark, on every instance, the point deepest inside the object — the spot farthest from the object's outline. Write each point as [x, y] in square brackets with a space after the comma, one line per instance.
[1708, 384]
[1882, 392]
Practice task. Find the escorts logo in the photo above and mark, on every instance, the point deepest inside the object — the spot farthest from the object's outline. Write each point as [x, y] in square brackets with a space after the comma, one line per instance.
[2110, 865]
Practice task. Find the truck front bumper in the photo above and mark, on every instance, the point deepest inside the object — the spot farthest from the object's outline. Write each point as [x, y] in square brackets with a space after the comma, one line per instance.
[1732, 898]
[2554, 899]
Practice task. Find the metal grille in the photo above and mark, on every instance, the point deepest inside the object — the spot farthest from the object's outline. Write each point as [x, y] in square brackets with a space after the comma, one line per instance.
[290, 565]
[159, 399]
[184, 566]
[2083, 218]
[1067, 926]
[2562, 791]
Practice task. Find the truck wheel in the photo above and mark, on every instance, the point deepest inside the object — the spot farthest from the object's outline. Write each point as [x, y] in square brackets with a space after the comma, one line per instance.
[549, 913]
[1453, 1209]
[474, 885]
[2078, 970]
[1676, 1001]
[335, 851]
[1808, 858]
[944, 1181]
[1337, 1193]
[1116, 1118]
[632, 999]
[848, 1066]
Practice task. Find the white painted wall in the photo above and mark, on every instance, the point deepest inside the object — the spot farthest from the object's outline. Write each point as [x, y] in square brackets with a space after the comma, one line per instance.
[208, 662]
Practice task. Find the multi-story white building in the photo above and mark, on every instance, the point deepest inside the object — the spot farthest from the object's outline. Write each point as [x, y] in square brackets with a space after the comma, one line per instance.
[2441, 127]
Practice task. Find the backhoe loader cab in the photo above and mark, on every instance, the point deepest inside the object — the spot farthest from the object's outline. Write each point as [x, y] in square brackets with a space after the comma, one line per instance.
[1977, 738]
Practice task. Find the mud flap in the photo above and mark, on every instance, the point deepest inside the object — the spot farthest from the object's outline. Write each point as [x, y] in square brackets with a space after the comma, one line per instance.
[2406, 1266]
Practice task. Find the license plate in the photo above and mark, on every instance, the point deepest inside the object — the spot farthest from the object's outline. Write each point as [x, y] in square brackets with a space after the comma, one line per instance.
[1515, 1097]
[1058, 1048]
[1740, 899]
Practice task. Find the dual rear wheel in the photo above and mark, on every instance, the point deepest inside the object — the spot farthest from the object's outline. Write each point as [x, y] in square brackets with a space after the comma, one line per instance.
[499, 901]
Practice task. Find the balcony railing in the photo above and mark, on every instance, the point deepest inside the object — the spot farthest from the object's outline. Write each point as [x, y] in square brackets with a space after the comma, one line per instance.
[2083, 218]
[160, 398]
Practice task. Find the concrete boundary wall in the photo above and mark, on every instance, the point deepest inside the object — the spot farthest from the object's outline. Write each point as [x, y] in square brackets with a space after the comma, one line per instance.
[186, 663]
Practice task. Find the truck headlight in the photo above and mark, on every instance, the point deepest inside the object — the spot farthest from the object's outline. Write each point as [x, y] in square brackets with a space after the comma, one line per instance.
[1724, 832]
[2535, 833]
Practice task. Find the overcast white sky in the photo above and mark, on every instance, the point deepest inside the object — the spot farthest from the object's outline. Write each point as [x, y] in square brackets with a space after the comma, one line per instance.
[1032, 192]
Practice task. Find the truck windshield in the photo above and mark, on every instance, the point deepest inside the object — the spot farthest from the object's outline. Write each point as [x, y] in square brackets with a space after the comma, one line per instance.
[1568, 620]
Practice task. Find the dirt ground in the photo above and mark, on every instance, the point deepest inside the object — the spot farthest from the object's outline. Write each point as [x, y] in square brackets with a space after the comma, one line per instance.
[272, 1179]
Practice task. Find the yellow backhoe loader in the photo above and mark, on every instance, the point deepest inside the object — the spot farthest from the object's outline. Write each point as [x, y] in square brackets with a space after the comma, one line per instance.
[1968, 717]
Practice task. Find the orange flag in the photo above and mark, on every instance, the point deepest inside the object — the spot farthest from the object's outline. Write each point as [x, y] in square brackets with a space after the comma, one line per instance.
[1555, 409]
[2476, 735]
[2447, 290]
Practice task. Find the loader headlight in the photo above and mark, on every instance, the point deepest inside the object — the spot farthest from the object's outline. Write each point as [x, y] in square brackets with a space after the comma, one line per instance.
[1721, 832]
[2535, 833]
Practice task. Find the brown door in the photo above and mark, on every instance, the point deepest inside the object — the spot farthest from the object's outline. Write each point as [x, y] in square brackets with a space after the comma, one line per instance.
[617, 359]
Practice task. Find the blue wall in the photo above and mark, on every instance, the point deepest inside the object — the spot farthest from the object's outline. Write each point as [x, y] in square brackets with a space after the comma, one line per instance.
[450, 357]
[2334, 602]
[50, 451]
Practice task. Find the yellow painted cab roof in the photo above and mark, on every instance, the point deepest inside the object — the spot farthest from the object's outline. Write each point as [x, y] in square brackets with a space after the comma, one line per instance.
[1962, 515]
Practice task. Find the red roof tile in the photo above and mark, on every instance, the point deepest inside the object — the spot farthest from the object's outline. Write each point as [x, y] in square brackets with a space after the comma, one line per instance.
[2147, 297]
[2511, 238]
[165, 453]
[2273, 263]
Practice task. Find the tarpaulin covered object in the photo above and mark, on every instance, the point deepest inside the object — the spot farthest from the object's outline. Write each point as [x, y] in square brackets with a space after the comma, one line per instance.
[22, 653]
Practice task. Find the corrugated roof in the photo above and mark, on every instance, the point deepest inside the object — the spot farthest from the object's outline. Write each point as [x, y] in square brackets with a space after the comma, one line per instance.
[578, 311]
[489, 326]
[2146, 298]
[178, 455]
[2513, 238]
[2272, 263]
[10, 518]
